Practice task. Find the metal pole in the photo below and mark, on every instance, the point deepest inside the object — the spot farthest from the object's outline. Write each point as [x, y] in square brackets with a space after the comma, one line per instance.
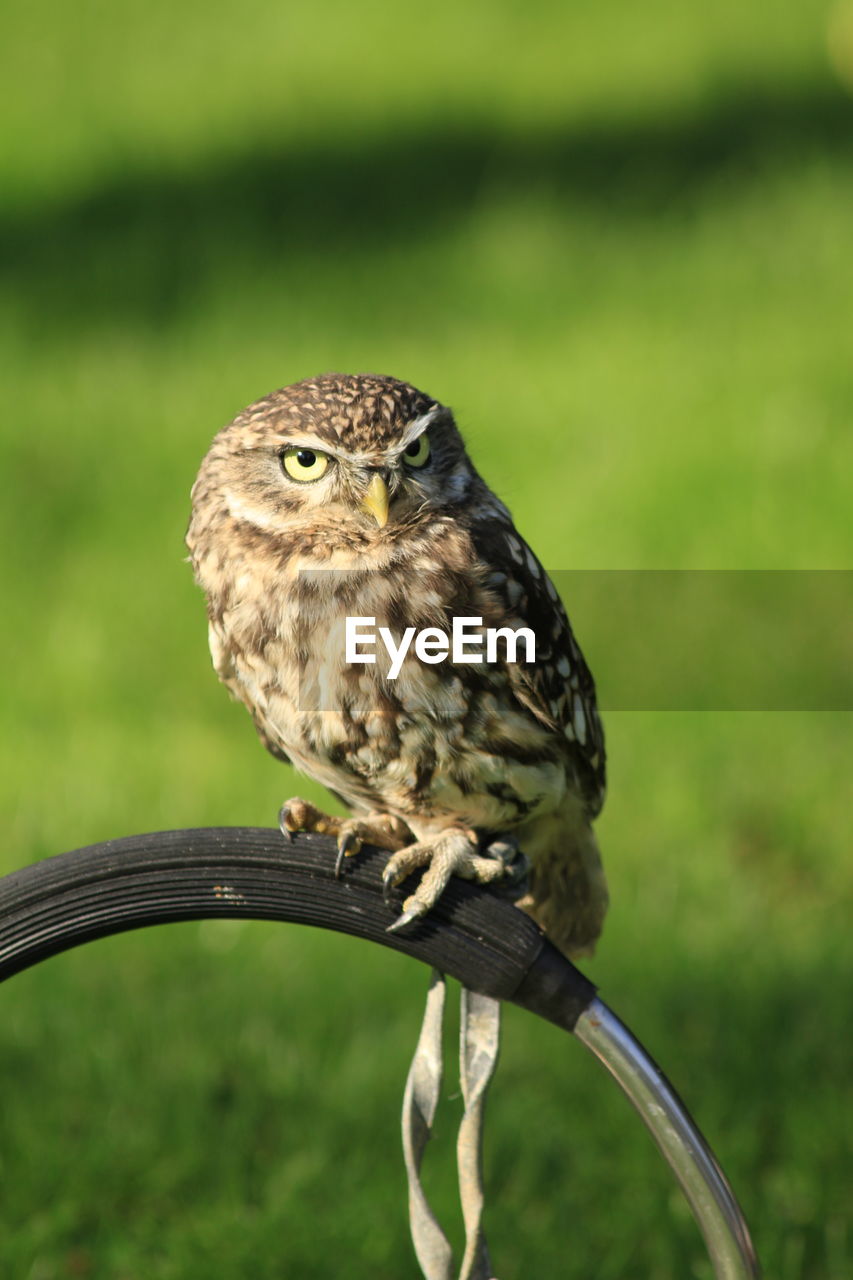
[702, 1180]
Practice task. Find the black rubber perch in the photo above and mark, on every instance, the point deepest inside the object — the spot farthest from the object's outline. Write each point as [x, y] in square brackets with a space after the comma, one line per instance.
[253, 872]
[473, 935]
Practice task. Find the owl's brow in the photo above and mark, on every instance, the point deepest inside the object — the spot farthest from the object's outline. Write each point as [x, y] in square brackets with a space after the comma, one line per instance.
[417, 427]
[411, 432]
[305, 440]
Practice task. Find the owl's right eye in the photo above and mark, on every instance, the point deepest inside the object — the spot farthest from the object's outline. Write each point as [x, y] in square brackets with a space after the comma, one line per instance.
[304, 464]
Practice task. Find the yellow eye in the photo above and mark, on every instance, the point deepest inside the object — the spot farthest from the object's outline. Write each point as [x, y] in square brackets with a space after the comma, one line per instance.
[304, 464]
[416, 454]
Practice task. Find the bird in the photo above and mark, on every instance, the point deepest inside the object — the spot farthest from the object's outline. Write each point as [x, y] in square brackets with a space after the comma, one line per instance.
[349, 499]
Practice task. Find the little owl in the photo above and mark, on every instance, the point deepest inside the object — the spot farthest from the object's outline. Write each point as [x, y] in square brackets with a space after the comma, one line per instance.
[348, 497]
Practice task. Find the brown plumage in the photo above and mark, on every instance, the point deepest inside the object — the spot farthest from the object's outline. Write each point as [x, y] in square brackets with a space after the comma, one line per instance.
[353, 496]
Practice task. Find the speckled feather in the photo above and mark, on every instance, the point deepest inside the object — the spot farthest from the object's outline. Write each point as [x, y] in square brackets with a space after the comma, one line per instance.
[495, 748]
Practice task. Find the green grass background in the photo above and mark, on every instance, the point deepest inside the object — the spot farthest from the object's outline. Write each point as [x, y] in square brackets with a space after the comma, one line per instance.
[617, 239]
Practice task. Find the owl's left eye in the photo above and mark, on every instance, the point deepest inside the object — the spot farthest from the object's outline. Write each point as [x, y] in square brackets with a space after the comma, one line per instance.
[417, 453]
[304, 464]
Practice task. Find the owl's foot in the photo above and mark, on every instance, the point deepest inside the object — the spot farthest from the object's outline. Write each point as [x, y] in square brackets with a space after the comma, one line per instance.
[381, 829]
[453, 852]
[516, 864]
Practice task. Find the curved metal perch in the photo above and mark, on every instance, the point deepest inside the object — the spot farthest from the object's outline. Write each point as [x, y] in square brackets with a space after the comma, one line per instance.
[486, 943]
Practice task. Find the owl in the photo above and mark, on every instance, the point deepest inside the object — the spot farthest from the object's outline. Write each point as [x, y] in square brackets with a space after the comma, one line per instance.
[347, 506]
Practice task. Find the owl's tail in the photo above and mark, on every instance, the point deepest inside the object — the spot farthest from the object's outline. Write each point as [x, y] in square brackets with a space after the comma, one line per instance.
[568, 894]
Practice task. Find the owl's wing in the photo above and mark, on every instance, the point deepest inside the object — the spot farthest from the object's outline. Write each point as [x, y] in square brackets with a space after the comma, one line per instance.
[557, 687]
[223, 664]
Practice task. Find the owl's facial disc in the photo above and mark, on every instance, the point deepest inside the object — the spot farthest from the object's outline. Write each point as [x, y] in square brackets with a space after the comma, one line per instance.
[399, 476]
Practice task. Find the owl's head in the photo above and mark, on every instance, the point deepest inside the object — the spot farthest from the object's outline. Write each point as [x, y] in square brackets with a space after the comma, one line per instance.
[342, 460]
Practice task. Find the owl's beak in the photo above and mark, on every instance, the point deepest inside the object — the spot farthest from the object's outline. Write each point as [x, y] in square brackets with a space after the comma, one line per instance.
[375, 501]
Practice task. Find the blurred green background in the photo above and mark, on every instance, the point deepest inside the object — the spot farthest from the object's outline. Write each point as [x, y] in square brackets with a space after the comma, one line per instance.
[617, 238]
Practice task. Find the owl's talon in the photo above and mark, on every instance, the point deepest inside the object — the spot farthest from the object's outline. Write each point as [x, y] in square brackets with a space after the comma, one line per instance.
[518, 870]
[515, 862]
[389, 884]
[503, 848]
[288, 831]
[349, 844]
[405, 918]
